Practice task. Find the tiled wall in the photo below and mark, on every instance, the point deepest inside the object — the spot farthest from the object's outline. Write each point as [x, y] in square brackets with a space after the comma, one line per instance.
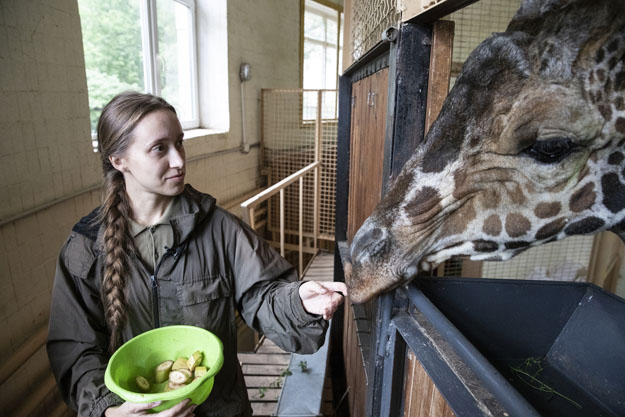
[49, 175]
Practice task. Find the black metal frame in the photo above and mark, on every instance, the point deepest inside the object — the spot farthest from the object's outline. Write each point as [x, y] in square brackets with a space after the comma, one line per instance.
[406, 52]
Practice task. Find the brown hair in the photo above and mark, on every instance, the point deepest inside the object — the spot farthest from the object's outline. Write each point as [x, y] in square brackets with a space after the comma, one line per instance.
[115, 126]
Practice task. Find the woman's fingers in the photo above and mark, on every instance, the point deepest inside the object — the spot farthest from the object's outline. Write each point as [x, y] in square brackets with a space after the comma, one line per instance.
[182, 409]
[335, 286]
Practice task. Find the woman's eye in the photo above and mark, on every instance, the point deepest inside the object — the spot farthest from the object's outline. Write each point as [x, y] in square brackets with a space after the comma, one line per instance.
[158, 148]
[550, 151]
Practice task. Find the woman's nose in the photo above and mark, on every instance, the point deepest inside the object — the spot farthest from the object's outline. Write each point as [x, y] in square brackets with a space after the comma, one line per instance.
[176, 158]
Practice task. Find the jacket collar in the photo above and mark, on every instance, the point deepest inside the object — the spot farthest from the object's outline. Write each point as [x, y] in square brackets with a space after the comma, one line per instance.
[194, 207]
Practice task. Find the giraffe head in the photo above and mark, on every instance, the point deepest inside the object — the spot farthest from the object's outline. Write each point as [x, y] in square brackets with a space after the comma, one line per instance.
[528, 149]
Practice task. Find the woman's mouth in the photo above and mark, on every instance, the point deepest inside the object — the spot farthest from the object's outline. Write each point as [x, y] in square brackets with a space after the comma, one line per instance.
[177, 178]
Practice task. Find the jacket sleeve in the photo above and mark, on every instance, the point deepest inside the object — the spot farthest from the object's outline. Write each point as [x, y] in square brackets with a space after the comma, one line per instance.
[77, 336]
[267, 293]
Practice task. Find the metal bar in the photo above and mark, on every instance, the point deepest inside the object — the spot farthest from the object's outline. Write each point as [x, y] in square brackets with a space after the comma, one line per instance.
[382, 335]
[317, 184]
[269, 192]
[452, 388]
[393, 377]
[507, 396]
[282, 221]
[301, 225]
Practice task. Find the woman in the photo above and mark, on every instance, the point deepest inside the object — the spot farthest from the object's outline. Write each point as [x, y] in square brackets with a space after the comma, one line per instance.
[157, 253]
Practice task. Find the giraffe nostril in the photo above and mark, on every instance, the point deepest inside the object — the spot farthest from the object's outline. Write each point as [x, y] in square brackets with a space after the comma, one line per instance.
[370, 243]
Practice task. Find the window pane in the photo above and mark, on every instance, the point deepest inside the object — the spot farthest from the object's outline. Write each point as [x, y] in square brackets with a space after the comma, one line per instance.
[111, 32]
[175, 57]
[331, 28]
[313, 65]
[314, 27]
[330, 68]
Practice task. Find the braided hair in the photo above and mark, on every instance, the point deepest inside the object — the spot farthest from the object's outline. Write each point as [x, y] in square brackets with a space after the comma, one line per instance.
[115, 127]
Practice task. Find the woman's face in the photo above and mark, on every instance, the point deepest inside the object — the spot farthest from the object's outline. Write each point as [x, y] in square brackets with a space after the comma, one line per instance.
[154, 163]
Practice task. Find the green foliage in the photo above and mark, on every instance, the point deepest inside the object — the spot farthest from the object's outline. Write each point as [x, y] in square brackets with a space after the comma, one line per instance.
[303, 366]
[111, 33]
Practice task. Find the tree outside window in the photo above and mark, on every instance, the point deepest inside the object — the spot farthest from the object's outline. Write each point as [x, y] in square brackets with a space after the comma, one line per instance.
[141, 45]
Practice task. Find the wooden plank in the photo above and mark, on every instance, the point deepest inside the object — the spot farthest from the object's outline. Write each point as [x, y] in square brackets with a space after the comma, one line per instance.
[264, 393]
[255, 381]
[261, 409]
[260, 370]
[270, 348]
[429, 10]
[423, 399]
[440, 69]
[264, 358]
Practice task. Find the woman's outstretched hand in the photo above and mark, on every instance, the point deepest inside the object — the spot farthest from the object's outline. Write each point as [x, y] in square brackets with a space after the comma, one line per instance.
[322, 297]
[182, 409]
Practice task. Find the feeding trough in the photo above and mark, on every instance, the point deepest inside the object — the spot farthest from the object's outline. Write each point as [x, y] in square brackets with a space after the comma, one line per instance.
[559, 345]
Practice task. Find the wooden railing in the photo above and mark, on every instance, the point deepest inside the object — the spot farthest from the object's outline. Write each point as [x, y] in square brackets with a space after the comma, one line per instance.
[251, 205]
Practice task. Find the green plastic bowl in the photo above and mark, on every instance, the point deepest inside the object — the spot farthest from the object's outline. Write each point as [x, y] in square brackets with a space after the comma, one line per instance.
[141, 354]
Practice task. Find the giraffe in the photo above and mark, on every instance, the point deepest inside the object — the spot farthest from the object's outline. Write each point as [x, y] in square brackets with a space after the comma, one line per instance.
[529, 148]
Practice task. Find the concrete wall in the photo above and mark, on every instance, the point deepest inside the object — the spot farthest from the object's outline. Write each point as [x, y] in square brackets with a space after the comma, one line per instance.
[49, 174]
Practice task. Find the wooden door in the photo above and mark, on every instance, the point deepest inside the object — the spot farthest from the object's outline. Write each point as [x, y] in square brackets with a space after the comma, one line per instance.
[368, 128]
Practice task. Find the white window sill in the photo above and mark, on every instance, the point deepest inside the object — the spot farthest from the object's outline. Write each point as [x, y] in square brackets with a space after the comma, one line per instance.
[202, 133]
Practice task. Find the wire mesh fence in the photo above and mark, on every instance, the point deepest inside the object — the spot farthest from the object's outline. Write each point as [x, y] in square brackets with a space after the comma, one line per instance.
[370, 18]
[299, 127]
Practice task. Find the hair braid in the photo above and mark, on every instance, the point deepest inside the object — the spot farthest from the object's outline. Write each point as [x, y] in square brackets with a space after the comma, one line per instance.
[117, 245]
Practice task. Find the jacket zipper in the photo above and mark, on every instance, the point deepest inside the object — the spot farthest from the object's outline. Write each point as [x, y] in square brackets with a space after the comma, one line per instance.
[155, 309]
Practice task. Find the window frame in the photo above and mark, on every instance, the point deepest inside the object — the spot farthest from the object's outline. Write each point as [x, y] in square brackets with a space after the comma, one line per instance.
[151, 68]
[303, 38]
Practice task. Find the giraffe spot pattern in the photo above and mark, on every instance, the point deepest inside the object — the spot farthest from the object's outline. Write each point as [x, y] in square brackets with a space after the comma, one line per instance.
[612, 63]
[517, 225]
[615, 158]
[492, 225]
[606, 112]
[516, 244]
[546, 210]
[584, 226]
[485, 245]
[619, 103]
[425, 200]
[601, 75]
[619, 81]
[600, 56]
[583, 198]
[619, 125]
[613, 192]
[551, 228]
[612, 46]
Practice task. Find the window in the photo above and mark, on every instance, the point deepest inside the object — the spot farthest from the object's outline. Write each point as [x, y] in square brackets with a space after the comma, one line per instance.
[322, 51]
[143, 45]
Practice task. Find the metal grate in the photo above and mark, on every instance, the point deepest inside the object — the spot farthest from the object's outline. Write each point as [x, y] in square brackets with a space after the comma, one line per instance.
[566, 259]
[369, 19]
[289, 139]
[477, 22]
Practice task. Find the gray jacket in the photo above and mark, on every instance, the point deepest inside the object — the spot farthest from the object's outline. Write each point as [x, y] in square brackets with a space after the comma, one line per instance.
[217, 266]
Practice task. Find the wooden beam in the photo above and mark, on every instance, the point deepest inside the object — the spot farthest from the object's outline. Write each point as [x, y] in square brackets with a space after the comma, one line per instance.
[427, 11]
[440, 69]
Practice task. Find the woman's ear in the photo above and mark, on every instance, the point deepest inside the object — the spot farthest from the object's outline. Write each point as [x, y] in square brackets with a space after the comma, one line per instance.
[118, 163]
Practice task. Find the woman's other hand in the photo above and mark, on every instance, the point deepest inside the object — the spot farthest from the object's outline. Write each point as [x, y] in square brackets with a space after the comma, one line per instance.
[322, 297]
[182, 409]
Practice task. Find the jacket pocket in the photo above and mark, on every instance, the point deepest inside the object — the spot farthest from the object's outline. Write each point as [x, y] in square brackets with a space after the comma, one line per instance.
[206, 302]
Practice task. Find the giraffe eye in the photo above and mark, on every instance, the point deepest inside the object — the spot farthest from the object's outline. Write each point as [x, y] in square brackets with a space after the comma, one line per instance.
[550, 151]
